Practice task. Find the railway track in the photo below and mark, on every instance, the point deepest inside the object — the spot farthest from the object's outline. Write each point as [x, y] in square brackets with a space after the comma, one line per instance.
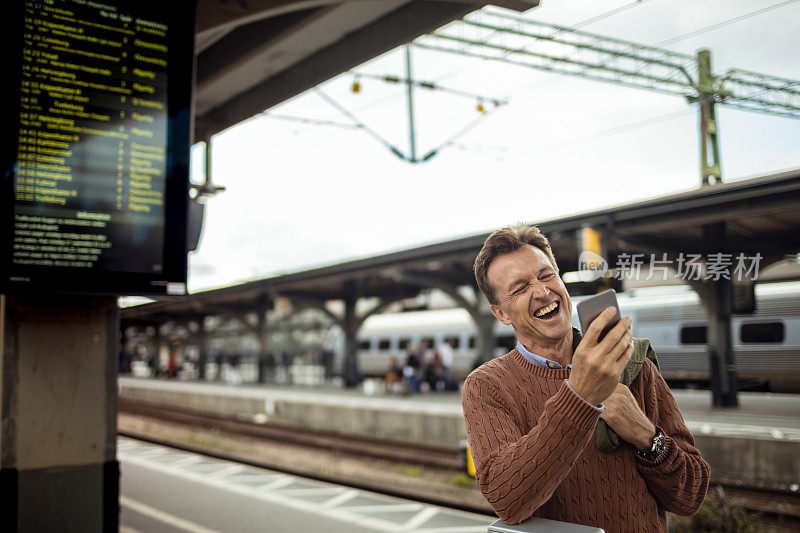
[777, 508]
[364, 446]
[434, 457]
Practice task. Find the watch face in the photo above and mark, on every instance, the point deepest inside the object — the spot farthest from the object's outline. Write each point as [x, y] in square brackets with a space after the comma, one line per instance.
[659, 444]
[659, 441]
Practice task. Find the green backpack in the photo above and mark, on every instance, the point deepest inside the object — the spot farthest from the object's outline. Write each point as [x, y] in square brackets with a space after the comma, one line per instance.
[607, 440]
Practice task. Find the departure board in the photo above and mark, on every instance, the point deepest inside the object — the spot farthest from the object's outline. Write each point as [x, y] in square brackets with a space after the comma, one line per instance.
[97, 164]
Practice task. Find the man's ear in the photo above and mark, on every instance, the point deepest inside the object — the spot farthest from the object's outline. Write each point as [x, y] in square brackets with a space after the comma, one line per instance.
[499, 314]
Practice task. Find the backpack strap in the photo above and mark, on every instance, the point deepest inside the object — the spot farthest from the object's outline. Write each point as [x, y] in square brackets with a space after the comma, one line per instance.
[607, 440]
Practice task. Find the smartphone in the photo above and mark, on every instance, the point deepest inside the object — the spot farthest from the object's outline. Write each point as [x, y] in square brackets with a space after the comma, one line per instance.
[591, 307]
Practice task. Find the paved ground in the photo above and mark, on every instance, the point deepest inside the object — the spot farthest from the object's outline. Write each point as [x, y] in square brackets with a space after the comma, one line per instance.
[165, 491]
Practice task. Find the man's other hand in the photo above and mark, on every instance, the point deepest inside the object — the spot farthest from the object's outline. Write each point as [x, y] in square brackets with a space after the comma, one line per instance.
[625, 417]
[596, 366]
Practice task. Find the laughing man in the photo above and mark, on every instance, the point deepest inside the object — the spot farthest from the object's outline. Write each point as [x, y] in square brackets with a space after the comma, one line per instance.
[532, 415]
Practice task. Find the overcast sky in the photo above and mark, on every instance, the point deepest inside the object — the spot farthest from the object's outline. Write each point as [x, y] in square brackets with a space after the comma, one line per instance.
[301, 195]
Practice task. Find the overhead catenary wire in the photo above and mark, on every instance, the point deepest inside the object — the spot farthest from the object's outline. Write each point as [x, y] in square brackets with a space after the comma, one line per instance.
[724, 23]
[495, 103]
[312, 121]
[614, 60]
[463, 131]
[609, 132]
[505, 99]
[580, 24]
[357, 122]
[591, 20]
[671, 40]
[554, 35]
[450, 141]
[609, 13]
[431, 86]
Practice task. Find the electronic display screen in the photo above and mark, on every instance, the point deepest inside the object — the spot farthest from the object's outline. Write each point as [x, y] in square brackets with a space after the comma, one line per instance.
[96, 145]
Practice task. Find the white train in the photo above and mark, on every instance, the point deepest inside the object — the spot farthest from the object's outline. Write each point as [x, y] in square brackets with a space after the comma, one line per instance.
[766, 344]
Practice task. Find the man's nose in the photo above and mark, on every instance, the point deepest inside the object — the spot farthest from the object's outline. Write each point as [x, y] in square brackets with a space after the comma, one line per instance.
[539, 291]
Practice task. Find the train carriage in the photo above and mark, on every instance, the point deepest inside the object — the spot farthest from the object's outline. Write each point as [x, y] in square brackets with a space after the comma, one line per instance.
[766, 344]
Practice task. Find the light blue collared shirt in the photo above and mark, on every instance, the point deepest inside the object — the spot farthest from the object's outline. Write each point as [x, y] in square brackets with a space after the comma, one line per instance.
[538, 360]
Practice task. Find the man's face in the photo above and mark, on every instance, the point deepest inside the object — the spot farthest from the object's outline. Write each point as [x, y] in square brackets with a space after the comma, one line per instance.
[525, 283]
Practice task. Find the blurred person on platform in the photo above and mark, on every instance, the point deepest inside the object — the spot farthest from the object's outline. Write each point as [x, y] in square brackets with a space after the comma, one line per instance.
[533, 416]
[152, 364]
[269, 367]
[172, 363]
[412, 368]
[434, 372]
[445, 350]
[219, 360]
[394, 374]
[234, 373]
[327, 364]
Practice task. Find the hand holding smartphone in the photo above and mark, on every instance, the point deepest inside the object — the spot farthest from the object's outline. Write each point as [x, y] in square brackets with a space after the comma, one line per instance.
[597, 367]
[591, 307]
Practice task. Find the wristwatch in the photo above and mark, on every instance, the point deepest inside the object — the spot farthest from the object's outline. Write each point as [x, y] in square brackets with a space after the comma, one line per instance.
[658, 447]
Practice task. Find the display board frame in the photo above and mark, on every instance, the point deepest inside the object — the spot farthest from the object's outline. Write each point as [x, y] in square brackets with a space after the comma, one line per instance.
[180, 17]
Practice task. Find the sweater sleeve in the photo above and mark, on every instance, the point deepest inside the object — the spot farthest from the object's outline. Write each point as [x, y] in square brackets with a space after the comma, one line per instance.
[518, 472]
[679, 477]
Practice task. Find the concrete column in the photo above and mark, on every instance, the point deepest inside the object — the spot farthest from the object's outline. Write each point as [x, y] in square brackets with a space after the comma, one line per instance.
[484, 326]
[58, 413]
[263, 342]
[720, 349]
[350, 328]
[156, 352]
[124, 359]
[484, 320]
[202, 350]
[720, 352]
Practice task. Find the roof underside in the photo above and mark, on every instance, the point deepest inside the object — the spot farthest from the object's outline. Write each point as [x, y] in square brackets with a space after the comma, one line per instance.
[255, 54]
[760, 214]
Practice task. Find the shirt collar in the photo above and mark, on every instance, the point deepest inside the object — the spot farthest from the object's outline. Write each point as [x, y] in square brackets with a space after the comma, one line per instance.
[538, 360]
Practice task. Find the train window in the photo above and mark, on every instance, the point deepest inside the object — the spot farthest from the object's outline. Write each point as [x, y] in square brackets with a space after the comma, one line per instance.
[384, 344]
[404, 343]
[429, 341]
[507, 342]
[472, 342]
[694, 335]
[452, 341]
[762, 332]
[364, 345]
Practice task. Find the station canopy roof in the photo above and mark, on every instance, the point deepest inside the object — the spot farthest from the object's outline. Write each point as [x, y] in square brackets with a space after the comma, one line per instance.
[254, 54]
[761, 216]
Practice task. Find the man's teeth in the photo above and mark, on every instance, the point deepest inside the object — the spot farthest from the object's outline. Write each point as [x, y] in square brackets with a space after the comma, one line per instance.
[545, 310]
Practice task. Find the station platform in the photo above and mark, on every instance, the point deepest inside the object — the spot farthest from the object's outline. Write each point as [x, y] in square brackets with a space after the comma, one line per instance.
[166, 490]
[757, 443]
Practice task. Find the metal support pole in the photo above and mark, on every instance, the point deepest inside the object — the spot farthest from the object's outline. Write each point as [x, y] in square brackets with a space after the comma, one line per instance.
[710, 167]
[262, 327]
[207, 188]
[410, 89]
[207, 163]
[720, 350]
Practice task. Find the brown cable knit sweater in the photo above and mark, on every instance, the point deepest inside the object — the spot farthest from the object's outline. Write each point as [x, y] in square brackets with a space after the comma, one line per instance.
[533, 442]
